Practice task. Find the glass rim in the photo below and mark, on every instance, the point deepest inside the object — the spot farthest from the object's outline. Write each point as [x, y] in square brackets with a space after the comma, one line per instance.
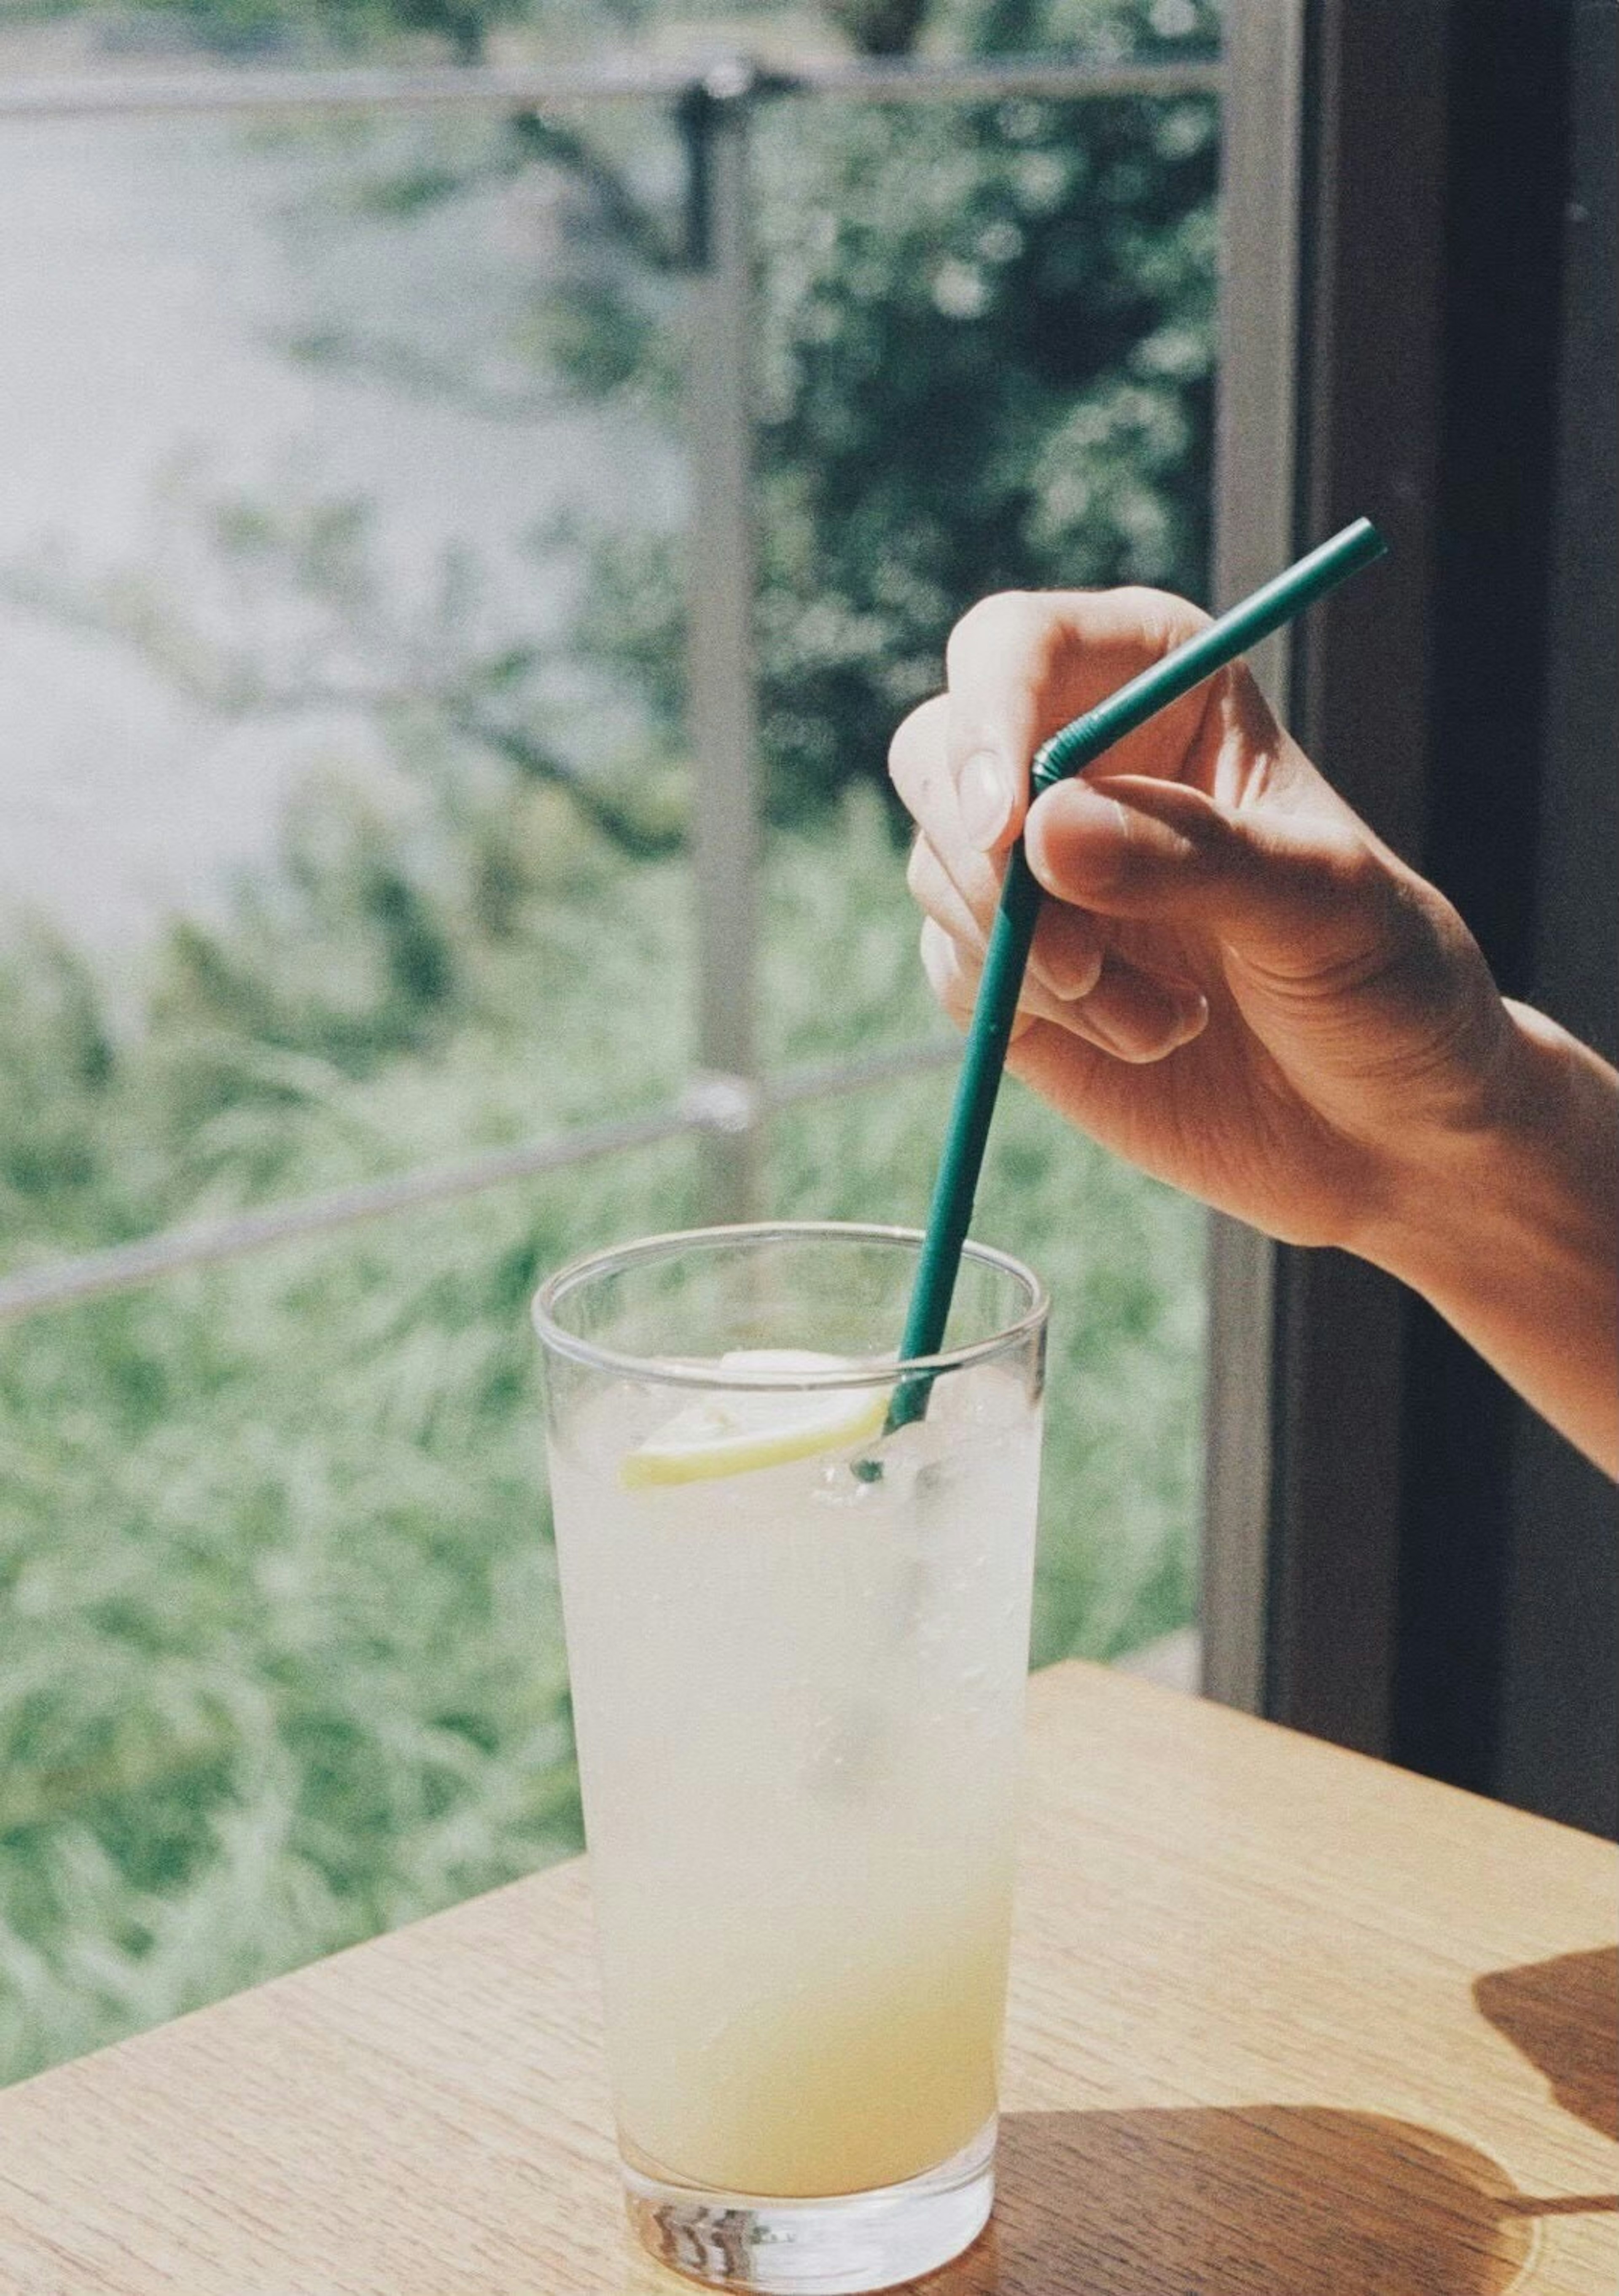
[853, 1372]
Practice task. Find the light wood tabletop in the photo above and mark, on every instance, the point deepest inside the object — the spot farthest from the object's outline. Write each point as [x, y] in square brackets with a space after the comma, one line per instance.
[1284, 2023]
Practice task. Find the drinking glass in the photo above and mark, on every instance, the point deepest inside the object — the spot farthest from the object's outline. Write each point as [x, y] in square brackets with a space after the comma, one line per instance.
[797, 1647]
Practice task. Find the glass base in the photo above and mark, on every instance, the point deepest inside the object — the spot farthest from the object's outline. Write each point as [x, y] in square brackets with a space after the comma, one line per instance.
[839, 2247]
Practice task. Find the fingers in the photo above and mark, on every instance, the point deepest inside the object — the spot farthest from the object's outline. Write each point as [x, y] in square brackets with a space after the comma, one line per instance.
[1067, 951]
[953, 975]
[1131, 1014]
[1143, 841]
[1067, 956]
[936, 893]
[1138, 1017]
[919, 766]
[953, 964]
[1072, 980]
[1022, 664]
[921, 769]
[959, 886]
[1019, 666]
[1293, 893]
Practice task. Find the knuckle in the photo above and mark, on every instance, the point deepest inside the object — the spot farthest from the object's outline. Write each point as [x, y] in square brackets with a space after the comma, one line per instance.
[1352, 875]
[1166, 619]
[1070, 953]
[1420, 926]
[1006, 618]
[1380, 926]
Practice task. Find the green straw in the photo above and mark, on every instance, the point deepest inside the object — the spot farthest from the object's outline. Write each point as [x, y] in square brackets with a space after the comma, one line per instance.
[1069, 751]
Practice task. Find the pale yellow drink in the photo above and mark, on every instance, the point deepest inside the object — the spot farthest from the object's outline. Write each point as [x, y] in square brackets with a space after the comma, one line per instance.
[797, 1692]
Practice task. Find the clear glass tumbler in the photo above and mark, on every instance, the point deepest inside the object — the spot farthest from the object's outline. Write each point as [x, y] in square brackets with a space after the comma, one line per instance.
[798, 1649]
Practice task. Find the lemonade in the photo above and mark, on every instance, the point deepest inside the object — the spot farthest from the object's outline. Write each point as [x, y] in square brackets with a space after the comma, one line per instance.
[798, 1696]
[797, 1641]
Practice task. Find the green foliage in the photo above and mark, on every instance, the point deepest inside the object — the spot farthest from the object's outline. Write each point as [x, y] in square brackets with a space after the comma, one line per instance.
[985, 341]
[254, 27]
[987, 365]
[282, 1662]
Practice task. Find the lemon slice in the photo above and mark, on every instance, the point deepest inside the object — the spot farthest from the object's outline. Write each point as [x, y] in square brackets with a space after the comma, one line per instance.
[734, 1431]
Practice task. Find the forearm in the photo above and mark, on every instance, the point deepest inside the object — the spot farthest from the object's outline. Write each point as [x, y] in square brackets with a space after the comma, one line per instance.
[1513, 1234]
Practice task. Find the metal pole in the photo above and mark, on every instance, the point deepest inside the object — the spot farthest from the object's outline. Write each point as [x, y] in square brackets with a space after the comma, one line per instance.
[507, 87]
[722, 719]
[122, 1266]
[1254, 534]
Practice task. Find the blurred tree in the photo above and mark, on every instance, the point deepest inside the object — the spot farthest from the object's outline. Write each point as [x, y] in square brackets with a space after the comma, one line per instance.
[879, 27]
[986, 347]
[311, 27]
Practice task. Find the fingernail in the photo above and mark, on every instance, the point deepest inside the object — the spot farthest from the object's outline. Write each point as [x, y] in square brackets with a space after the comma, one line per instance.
[1124, 1036]
[1068, 974]
[983, 798]
[1140, 1038]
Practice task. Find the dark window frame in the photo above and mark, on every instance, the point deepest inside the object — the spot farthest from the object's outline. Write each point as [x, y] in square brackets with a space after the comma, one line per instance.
[1398, 340]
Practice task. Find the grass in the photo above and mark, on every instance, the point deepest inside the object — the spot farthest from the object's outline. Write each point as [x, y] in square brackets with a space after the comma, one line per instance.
[281, 1660]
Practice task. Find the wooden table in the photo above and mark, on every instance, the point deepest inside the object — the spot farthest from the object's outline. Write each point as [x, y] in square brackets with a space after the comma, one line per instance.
[1284, 2023]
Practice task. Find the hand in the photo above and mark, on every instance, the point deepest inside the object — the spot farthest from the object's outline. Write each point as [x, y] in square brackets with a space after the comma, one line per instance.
[1234, 983]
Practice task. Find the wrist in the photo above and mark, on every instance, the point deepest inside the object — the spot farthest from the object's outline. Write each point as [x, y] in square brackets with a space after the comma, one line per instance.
[1523, 1188]
[1512, 1234]
[1501, 1157]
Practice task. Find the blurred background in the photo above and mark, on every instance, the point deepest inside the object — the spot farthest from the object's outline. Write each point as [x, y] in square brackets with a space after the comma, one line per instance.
[375, 562]
[485, 480]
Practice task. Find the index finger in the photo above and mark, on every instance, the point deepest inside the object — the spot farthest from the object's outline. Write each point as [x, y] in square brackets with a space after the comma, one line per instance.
[1021, 664]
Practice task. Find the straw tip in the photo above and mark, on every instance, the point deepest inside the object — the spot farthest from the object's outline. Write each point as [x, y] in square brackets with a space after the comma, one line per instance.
[1368, 539]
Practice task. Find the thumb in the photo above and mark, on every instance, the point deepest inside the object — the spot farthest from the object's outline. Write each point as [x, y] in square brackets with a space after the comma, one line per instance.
[1294, 891]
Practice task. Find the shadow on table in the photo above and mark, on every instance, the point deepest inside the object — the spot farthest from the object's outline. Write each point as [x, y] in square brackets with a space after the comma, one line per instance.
[1229, 2202]
[1564, 2016]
